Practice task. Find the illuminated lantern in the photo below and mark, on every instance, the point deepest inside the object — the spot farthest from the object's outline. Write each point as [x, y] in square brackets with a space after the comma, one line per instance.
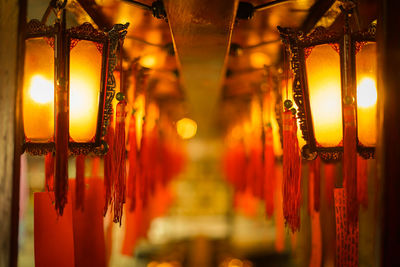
[334, 84]
[334, 87]
[68, 88]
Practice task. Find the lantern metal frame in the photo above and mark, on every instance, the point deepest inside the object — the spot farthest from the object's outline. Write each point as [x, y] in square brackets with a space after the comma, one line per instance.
[300, 46]
[107, 43]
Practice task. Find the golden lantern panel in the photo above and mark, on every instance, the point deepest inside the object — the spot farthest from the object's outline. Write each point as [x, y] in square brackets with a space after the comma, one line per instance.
[38, 91]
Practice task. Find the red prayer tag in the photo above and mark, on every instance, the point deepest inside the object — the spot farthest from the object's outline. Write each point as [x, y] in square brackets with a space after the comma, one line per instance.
[53, 237]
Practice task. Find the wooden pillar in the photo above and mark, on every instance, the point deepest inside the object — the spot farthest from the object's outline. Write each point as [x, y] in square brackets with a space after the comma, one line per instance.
[12, 21]
[389, 141]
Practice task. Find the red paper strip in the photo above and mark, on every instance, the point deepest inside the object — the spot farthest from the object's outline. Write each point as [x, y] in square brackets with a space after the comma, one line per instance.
[80, 182]
[88, 226]
[53, 237]
[330, 175]
[346, 233]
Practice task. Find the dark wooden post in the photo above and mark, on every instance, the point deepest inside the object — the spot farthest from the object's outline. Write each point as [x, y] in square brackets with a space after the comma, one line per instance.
[389, 141]
[12, 22]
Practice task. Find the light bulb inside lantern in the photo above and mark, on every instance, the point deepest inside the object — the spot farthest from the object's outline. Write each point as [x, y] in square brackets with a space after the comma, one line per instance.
[366, 92]
[41, 90]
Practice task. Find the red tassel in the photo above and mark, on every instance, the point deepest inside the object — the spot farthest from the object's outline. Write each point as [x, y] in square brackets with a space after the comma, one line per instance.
[49, 171]
[61, 160]
[80, 182]
[350, 162]
[291, 172]
[269, 172]
[120, 161]
[132, 157]
[109, 166]
[329, 182]
[316, 176]
[362, 181]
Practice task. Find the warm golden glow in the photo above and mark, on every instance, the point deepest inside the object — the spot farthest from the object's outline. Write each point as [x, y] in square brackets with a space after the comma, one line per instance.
[259, 59]
[323, 70]
[148, 61]
[38, 91]
[85, 75]
[41, 90]
[186, 128]
[366, 67]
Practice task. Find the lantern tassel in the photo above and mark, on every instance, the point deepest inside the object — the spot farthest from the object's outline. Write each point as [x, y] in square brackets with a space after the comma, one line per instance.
[350, 163]
[61, 166]
[291, 172]
[362, 181]
[132, 157]
[80, 182]
[49, 171]
[120, 159]
[109, 166]
[269, 172]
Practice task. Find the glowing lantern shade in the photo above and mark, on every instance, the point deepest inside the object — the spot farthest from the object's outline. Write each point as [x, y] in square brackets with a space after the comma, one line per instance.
[68, 70]
[334, 72]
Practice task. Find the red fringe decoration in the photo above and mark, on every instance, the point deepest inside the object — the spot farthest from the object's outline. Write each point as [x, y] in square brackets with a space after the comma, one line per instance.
[61, 159]
[291, 172]
[346, 234]
[329, 182]
[120, 161]
[350, 163]
[316, 176]
[269, 172]
[49, 171]
[109, 166]
[132, 158]
[362, 181]
[80, 182]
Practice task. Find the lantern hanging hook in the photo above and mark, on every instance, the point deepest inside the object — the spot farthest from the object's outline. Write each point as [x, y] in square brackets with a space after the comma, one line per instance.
[56, 6]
